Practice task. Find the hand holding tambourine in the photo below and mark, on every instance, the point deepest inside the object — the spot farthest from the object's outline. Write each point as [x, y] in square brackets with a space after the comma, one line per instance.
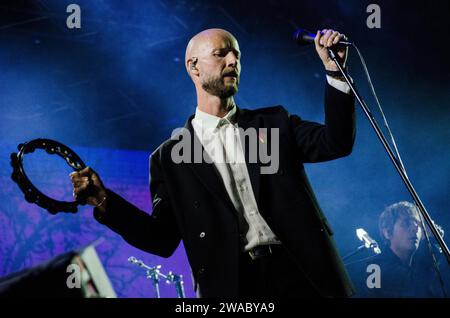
[87, 186]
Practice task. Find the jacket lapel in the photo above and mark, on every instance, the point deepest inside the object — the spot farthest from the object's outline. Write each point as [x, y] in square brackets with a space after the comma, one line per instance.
[207, 172]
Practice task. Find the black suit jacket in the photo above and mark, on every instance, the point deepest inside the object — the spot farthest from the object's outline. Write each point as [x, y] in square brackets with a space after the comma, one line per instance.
[190, 202]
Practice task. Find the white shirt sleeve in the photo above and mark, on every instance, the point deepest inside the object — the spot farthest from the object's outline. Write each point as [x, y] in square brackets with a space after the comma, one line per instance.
[339, 85]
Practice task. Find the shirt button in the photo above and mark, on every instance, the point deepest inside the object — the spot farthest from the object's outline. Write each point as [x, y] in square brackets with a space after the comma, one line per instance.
[201, 271]
[202, 234]
[196, 204]
[252, 212]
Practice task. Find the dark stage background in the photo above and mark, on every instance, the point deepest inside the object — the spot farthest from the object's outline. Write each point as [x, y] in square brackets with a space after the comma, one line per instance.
[116, 88]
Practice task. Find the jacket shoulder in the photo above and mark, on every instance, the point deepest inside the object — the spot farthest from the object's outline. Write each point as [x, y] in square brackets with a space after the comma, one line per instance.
[166, 146]
[265, 111]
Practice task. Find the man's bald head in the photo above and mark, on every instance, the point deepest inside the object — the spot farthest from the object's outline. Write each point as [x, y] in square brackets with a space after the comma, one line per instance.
[202, 41]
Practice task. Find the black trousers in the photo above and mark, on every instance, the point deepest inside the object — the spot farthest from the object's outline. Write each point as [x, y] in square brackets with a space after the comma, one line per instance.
[274, 275]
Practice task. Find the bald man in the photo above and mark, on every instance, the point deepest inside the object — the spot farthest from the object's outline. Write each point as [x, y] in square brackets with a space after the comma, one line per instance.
[247, 231]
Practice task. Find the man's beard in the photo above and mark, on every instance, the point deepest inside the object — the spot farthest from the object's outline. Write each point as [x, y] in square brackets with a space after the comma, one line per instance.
[216, 87]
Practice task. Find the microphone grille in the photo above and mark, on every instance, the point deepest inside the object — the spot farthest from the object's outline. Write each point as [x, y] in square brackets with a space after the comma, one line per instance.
[359, 233]
[303, 37]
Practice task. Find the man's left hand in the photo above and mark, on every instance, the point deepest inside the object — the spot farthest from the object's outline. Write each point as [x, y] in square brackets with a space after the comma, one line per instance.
[328, 38]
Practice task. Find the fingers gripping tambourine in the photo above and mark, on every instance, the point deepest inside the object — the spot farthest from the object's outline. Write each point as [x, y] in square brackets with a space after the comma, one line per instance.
[32, 194]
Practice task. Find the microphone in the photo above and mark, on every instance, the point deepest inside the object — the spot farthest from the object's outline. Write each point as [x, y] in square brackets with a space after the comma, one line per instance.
[368, 241]
[303, 37]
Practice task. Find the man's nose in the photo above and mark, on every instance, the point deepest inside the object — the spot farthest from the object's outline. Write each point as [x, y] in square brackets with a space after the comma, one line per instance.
[232, 60]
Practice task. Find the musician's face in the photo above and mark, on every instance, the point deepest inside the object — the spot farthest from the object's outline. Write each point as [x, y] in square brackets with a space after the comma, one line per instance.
[406, 234]
[219, 64]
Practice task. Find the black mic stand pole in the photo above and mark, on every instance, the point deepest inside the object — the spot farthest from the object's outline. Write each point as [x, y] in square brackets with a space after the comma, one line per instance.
[397, 165]
[359, 249]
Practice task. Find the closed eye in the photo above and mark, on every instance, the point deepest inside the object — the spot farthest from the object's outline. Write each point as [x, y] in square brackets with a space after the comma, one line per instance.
[219, 54]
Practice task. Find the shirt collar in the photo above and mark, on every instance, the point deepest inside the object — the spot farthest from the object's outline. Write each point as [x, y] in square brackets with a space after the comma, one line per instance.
[209, 121]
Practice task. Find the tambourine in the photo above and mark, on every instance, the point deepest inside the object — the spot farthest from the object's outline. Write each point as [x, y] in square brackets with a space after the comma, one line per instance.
[32, 194]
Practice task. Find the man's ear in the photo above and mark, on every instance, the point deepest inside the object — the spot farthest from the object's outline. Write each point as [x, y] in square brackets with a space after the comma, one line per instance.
[192, 65]
[386, 234]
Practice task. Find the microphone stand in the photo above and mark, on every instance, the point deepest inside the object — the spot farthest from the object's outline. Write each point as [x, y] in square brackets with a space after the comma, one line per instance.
[359, 249]
[154, 274]
[394, 160]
